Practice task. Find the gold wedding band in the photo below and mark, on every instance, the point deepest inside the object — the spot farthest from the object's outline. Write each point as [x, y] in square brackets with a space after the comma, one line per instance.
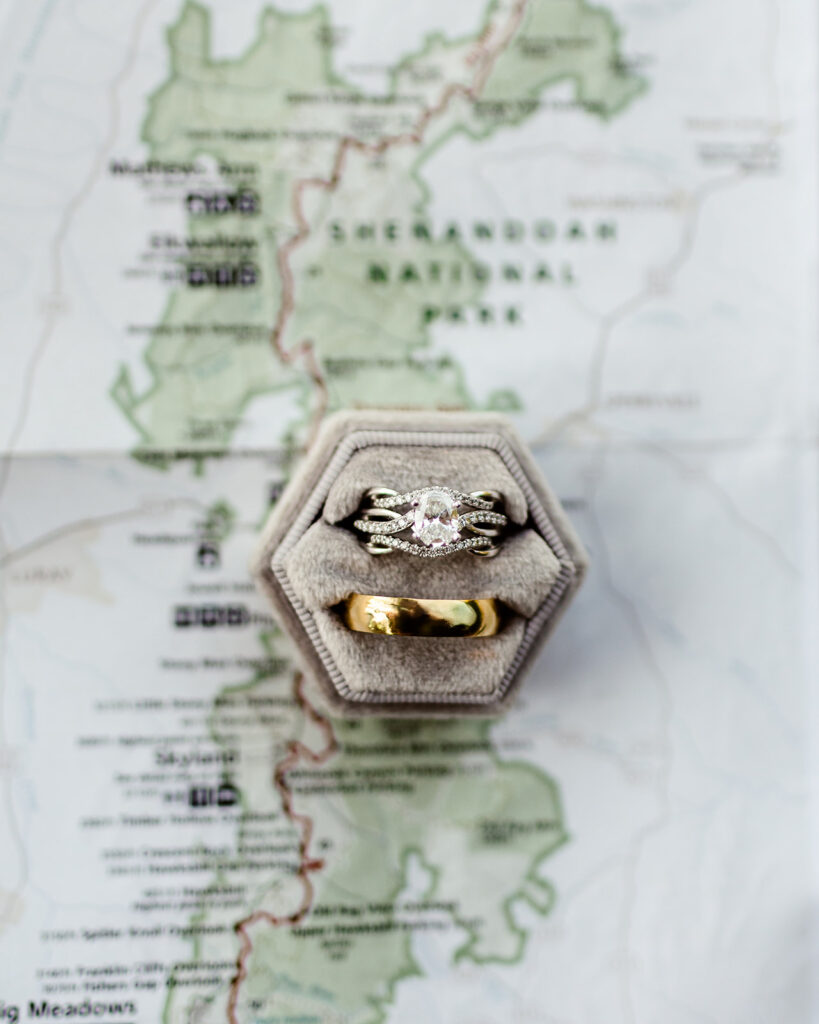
[411, 616]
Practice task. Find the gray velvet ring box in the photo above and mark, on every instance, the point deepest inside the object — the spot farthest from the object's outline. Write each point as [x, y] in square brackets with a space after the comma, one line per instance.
[308, 561]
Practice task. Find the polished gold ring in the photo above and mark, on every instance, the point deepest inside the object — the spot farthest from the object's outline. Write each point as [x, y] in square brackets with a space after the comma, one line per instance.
[423, 617]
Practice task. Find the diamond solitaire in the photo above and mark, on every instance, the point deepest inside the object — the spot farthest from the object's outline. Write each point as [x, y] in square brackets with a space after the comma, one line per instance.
[436, 518]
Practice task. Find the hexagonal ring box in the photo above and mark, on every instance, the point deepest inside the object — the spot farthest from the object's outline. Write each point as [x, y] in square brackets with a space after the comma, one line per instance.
[309, 561]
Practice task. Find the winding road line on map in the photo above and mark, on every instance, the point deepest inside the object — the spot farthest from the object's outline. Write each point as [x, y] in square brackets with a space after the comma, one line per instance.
[297, 751]
[306, 347]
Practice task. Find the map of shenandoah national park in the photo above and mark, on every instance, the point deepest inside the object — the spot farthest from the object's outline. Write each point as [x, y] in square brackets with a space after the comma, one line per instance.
[221, 222]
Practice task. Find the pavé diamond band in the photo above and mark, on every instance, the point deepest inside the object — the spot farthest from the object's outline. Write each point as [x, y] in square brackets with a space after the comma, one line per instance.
[431, 521]
[423, 617]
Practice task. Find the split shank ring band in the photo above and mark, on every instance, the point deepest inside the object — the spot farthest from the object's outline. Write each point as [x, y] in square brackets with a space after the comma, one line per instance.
[431, 521]
[422, 617]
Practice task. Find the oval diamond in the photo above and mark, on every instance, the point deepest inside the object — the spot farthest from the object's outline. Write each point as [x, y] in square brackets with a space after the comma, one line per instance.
[436, 519]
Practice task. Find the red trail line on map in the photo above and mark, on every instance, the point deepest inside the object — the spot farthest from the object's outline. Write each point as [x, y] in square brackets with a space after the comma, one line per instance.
[482, 55]
[296, 752]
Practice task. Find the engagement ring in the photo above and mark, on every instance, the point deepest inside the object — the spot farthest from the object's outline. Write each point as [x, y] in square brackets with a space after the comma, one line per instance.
[431, 521]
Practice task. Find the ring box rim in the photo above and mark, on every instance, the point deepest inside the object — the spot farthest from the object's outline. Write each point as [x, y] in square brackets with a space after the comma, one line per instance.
[302, 503]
